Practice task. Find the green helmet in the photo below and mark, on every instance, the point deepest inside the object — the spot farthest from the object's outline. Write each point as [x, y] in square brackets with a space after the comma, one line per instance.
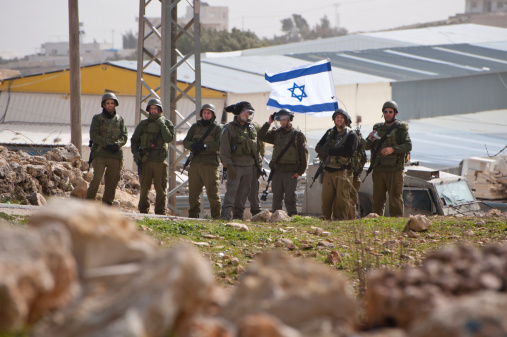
[345, 114]
[108, 95]
[154, 101]
[210, 107]
[390, 104]
[284, 112]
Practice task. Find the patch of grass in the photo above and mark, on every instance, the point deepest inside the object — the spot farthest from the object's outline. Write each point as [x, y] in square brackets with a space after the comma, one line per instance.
[14, 219]
[364, 244]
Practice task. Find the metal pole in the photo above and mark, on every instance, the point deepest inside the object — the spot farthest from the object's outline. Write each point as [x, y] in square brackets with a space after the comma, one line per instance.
[75, 77]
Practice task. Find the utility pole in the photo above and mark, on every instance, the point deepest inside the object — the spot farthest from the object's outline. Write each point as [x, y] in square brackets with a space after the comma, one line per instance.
[337, 15]
[75, 77]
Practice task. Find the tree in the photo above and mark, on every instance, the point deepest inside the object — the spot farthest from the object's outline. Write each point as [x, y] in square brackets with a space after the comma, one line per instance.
[129, 40]
[296, 29]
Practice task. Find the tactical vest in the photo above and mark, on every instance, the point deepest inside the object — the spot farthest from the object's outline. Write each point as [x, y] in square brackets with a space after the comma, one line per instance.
[200, 130]
[151, 137]
[110, 128]
[291, 156]
[337, 162]
[243, 140]
[392, 140]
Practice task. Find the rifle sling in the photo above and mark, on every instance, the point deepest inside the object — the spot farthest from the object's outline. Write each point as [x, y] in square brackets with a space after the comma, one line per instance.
[292, 137]
[384, 137]
[211, 127]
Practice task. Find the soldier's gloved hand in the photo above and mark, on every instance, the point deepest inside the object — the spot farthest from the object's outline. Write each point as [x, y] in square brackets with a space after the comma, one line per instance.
[231, 172]
[196, 148]
[113, 148]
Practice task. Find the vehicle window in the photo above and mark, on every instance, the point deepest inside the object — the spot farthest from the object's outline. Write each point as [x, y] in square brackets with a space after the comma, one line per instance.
[455, 193]
[417, 199]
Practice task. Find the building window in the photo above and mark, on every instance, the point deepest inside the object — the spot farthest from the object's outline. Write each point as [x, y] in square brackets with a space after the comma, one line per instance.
[499, 4]
[474, 4]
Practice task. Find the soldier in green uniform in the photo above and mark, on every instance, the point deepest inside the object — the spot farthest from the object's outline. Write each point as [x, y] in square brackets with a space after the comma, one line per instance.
[107, 135]
[389, 143]
[253, 196]
[339, 143]
[238, 152]
[149, 145]
[203, 139]
[287, 165]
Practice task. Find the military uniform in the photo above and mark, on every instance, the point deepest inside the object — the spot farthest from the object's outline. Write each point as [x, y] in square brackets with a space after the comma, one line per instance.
[203, 169]
[149, 145]
[293, 161]
[253, 196]
[388, 170]
[108, 134]
[238, 149]
[336, 184]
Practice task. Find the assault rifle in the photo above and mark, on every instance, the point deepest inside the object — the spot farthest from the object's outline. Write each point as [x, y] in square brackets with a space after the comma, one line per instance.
[140, 164]
[200, 141]
[324, 162]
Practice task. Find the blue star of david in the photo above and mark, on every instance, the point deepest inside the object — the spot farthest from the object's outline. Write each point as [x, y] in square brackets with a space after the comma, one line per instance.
[301, 89]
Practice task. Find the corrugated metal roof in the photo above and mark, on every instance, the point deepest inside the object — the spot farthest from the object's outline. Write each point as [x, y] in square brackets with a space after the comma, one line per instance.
[451, 34]
[245, 74]
[419, 62]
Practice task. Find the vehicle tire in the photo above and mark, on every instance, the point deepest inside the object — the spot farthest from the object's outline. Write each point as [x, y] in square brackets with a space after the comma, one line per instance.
[365, 204]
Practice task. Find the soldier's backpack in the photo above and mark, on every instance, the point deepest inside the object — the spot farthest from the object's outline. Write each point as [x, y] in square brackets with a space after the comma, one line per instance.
[359, 157]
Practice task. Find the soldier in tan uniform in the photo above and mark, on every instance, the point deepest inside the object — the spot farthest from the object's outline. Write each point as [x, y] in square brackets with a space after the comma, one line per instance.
[339, 143]
[389, 143]
[289, 160]
[203, 139]
[149, 145]
[108, 134]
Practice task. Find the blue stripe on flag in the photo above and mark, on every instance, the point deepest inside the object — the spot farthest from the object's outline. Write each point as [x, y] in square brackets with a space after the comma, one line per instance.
[320, 68]
[331, 106]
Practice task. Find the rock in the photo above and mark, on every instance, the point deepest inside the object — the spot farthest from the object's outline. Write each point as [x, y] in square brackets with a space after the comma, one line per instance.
[37, 274]
[100, 235]
[418, 223]
[265, 326]
[263, 216]
[239, 226]
[279, 216]
[408, 296]
[80, 187]
[481, 314]
[160, 297]
[372, 216]
[36, 199]
[295, 291]
[334, 258]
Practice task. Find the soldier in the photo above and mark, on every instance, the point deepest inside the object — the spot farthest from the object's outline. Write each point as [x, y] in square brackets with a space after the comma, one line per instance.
[107, 136]
[253, 196]
[238, 151]
[339, 143]
[203, 139]
[149, 145]
[389, 143]
[289, 159]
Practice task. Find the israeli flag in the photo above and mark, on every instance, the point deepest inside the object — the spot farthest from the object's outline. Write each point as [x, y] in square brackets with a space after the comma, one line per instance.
[307, 89]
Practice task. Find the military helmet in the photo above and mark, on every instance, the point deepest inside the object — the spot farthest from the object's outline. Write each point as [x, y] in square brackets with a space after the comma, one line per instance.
[209, 107]
[238, 107]
[108, 95]
[284, 112]
[154, 101]
[390, 104]
[345, 114]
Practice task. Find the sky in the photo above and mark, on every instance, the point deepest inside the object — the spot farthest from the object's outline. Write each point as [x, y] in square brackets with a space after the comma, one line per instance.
[27, 24]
